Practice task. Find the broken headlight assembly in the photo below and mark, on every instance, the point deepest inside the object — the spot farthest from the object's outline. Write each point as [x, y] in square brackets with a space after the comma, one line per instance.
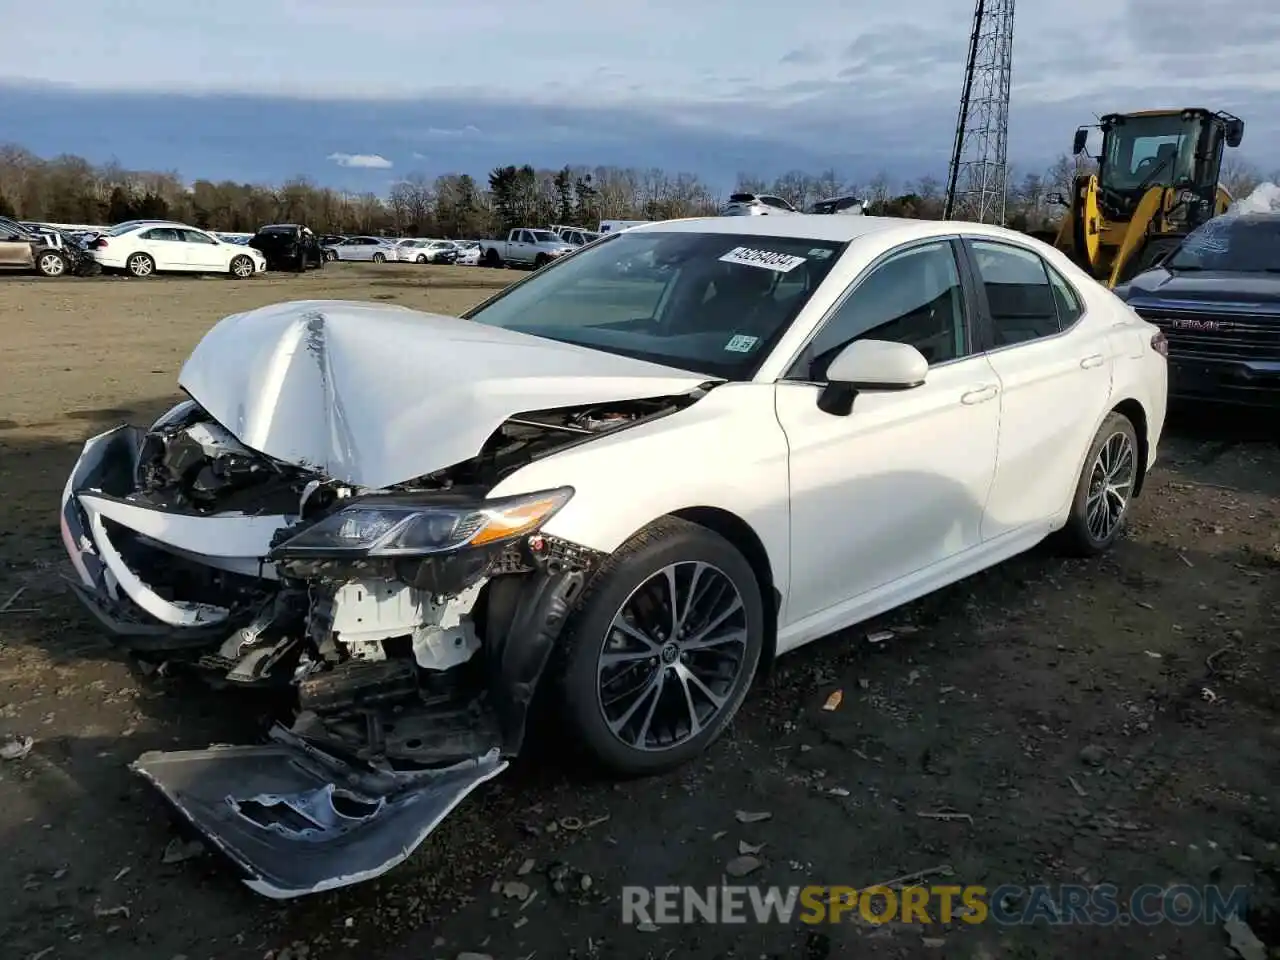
[408, 525]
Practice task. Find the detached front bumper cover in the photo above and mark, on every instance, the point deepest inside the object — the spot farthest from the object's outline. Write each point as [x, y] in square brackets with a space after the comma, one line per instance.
[297, 819]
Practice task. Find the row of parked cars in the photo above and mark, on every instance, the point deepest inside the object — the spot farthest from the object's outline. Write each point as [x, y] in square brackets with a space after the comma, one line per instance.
[144, 247]
[141, 248]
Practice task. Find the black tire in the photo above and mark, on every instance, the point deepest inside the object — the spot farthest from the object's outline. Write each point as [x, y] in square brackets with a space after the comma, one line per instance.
[331, 255]
[241, 267]
[492, 260]
[665, 542]
[422, 258]
[379, 258]
[1146, 258]
[540, 261]
[1081, 537]
[140, 265]
[50, 263]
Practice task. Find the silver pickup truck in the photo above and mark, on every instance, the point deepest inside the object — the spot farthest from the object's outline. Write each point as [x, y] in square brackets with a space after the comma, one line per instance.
[523, 247]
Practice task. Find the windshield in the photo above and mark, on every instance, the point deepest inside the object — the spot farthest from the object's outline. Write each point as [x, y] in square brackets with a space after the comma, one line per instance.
[544, 236]
[1234, 244]
[712, 303]
[1149, 151]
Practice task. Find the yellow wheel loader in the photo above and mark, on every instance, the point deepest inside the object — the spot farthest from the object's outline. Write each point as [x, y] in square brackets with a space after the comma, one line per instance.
[1157, 181]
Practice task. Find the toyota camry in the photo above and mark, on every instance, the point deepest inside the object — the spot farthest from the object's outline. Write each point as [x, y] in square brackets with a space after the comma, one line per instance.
[623, 483]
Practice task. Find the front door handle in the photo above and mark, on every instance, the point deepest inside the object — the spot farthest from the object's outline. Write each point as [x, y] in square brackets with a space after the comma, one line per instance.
[1094, 360]
[980, 394]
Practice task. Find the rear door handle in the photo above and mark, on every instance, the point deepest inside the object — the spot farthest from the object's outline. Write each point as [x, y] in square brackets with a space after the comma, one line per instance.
[1095, 360]
[980, 394]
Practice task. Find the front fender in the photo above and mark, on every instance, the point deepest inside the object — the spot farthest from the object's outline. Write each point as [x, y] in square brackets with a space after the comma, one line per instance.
[727, 451]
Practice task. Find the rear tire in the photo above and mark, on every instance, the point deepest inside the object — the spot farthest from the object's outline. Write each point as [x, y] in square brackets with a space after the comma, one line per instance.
[492, 260]
[1104, 491]
[540, 261]
[331, 255]
[140, 265]
[422, 258]
[241, 267]
[717, 650]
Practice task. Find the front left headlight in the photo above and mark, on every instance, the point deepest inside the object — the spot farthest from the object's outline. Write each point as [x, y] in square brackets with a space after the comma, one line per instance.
[396, 526]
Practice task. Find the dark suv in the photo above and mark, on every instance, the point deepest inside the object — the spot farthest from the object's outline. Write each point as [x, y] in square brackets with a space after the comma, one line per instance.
[288, 246]
[46, 252]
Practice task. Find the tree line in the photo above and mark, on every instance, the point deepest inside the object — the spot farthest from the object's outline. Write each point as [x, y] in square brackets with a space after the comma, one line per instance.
[70, 189]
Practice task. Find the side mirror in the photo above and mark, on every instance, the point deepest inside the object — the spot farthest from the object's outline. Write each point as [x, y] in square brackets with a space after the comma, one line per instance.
[1234, 132]
[1080, 141]
[1056, 199]
[870, 365]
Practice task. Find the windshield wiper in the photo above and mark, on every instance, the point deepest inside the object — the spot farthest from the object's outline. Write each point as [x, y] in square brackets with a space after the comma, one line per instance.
[1155, 172]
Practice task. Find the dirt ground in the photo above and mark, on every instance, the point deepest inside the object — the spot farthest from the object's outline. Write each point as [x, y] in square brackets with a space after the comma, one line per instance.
[1084, 722]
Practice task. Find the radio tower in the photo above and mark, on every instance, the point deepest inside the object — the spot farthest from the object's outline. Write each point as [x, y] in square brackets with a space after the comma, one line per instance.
[976, 181]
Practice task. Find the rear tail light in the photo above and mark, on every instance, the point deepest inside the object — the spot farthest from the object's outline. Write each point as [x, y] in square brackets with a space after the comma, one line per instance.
[98, 244]
[1160, 344]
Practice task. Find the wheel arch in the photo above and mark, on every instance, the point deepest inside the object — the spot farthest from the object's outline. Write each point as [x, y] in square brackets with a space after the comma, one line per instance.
[1137, 415]
[747, 542]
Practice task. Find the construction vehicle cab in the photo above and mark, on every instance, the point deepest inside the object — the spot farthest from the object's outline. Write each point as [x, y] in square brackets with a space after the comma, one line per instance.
[1157, 181]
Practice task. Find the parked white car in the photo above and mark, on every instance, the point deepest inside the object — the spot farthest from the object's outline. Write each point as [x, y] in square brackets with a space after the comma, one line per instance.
[756, 205]
[421, 250]
[143, 248]
[375, 249]
[468, 252]
[630, 486]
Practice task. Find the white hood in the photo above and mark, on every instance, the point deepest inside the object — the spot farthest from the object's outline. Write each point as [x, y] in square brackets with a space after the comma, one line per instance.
[376, 394]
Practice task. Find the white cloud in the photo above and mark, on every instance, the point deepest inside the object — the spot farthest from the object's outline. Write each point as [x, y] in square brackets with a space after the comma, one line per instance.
[369, 161]
[445, 133]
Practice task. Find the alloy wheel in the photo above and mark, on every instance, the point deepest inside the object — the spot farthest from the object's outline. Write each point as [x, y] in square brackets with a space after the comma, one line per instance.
[52, 265]
[672, 656]
[242, 268]
[140, 266]
[1110, 486]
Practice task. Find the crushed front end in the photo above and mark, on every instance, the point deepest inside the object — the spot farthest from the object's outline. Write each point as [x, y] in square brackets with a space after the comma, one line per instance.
[409, 625]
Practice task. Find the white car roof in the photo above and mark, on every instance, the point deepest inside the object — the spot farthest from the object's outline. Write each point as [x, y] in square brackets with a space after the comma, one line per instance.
[824, 227]
[151, 224]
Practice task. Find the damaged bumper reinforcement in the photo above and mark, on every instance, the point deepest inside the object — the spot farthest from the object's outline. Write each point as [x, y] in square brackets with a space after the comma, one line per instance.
[413, 671]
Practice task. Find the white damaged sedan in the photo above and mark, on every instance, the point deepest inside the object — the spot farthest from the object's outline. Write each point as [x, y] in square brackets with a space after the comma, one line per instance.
[626, 481]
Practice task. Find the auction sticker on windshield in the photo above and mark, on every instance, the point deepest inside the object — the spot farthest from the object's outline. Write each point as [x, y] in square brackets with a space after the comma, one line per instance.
[769, 259]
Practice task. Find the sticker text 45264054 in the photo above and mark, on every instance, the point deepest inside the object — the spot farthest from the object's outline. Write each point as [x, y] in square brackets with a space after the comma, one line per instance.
[768, 259]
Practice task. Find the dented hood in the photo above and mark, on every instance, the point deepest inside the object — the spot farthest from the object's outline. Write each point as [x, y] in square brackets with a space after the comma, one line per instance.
[376, 394]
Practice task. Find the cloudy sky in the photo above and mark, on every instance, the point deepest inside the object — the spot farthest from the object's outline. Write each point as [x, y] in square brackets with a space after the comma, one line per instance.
[358, 94]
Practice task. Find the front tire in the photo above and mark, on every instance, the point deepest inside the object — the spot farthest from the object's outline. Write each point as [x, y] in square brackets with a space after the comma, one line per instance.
[379, 258]
[422, 258]
[51, 264]
[1104, 491]
[661, 649]
[241, 267]
[140, 265]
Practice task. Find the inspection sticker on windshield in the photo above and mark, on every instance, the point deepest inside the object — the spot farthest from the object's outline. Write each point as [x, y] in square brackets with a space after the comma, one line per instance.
[741, 343]
[769, 259]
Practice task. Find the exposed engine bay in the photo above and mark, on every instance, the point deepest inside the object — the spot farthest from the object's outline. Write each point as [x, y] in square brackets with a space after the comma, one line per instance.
[408, 625]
